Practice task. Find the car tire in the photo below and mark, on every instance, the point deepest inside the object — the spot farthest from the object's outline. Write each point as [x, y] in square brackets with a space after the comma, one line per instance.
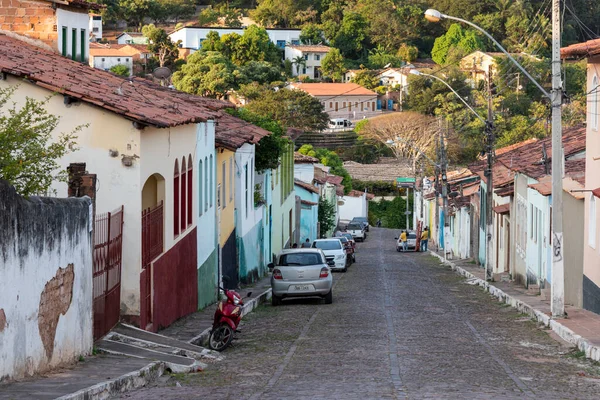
[275, 300]
[398, 249]
[344, 269]
[329, 297]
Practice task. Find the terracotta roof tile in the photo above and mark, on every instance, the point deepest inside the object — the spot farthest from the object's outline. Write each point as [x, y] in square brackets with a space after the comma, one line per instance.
[318, 48]
[306, 186]
[334, 180]
[232, 133]
[308, 203]
[304, 159]
[502, 209]
[578, 50]
[507, 190]
[135, 99]
[333, 89]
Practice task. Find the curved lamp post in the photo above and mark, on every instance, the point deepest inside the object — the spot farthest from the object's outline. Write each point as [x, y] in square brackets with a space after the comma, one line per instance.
[432, 15]
[557, 303]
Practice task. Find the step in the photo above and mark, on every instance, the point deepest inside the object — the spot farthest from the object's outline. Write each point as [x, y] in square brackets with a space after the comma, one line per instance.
[138, 337]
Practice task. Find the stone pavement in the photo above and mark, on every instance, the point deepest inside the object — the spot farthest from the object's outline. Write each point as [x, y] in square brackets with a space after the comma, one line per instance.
[401, 326]
[105, 375]
[580, 327]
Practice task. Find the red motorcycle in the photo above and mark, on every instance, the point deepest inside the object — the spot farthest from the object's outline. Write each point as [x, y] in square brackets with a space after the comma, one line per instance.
[227, 318]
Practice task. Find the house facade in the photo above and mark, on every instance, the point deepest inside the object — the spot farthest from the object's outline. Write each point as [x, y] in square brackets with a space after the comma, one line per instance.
[312, 56]
[105, 58]
[192, 37]
[96, 26]
[342, 100]
[62, 27]
[132, 38]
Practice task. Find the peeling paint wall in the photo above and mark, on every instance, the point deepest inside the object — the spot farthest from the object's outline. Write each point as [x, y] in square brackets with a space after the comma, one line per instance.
[45, 282]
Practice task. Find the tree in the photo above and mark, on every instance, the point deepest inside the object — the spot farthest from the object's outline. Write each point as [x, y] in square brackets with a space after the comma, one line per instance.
[29, 156]
[332, 65]
[207, 74]
[311, 34]
[351, 39]
[121, 70]
[133, 11]
[326, 215]
[380, 58]
[366, 78]
[456, 38]
[259, 72]
[407, 53]
[160, 45]
[291, 108]
[299, 61]
[283, 13]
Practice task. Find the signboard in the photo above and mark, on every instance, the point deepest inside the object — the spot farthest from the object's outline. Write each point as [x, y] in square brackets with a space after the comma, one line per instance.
[405, 182]
[426, 184]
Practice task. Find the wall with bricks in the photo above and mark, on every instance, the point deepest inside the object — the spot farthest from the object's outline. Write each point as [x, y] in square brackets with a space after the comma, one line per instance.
[42, 22]
[45, 282]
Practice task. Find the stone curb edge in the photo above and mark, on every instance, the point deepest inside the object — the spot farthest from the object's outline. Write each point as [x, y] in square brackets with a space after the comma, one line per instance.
[591, 351]
[247, 308]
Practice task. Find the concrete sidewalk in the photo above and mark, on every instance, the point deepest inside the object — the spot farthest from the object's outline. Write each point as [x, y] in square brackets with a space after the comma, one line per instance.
[580, 328]
[107, 375]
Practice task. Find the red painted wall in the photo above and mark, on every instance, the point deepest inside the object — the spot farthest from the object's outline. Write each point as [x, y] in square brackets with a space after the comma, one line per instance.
[175, 282]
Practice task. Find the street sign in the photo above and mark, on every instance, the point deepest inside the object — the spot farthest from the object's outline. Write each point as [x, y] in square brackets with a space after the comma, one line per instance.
[426, 183]
[405, 182]
[407, 212]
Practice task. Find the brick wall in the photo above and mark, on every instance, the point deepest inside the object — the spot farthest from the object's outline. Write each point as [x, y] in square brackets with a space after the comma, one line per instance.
[35, 19]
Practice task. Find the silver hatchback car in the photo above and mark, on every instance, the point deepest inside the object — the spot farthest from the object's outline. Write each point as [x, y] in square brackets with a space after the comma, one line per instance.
[301, 273]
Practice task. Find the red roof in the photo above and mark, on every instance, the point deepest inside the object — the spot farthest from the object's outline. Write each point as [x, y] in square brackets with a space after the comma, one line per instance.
[135, 99]
[502, 209]
[310, 48]
[333, 89]
[580, 50]
[232, 133]
[306, 186]
[304, 159]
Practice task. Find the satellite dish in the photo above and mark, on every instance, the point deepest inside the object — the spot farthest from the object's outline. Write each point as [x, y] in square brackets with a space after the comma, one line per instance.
[161, 73]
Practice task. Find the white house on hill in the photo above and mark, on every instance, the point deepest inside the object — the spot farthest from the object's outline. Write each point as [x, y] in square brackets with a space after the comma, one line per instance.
[312, 55]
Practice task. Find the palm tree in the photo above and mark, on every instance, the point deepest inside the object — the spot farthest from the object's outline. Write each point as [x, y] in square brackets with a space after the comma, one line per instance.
[299, 61]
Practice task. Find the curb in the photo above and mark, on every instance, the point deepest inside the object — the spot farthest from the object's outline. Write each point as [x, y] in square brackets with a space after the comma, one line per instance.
[248, 307]
[591, 351]
[130, 381]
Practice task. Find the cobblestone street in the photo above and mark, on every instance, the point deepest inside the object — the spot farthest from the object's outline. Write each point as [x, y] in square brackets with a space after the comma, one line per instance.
[400, 326]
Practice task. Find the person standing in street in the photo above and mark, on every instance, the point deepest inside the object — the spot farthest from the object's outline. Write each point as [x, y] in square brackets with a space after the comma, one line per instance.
[404, 242]
[306, 244]
[424, 239]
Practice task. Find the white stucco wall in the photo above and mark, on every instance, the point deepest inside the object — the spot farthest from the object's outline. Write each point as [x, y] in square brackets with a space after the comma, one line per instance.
[97, 25]
[107, 62]
[73, 20]
[191, 38]
[29, 259]
[304, 172]
[205, 152]
[247, 216]
[351, 107]
[353, 207]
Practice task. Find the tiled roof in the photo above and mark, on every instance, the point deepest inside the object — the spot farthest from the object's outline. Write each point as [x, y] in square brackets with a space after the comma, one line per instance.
[135, 99]
[334, 179]
[507, 190]
[333, 89]
[132, 34]
[544, 185]
[355, 193]
[106, 52]
[304, 159]
[117, 50]
[306, 186]
[578, 50]
[574, 170]
[308, 203]
[83, 4]
[232, 133]
[308, 48]
[502, 209]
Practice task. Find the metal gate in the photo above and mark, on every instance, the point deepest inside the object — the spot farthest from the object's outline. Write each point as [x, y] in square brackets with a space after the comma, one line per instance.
[108, 249]
[152, 247]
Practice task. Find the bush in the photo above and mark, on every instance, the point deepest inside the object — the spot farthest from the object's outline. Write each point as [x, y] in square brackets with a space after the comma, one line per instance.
[120, 69]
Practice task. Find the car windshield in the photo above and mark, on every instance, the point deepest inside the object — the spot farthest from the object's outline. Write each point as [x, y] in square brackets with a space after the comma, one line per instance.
[412, 235]
[359, 219]
[354, 227]
[328, 245]
[347, 236]
[343, 239]
[293, 259]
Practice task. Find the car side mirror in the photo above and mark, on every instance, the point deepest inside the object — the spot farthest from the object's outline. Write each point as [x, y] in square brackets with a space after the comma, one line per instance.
[270, 265]
[396, 238]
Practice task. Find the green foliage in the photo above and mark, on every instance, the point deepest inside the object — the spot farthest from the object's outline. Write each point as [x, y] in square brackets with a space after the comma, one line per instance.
[160, 44]
[270, 148]
[307, 150]
[311, 34]
[332, 160]
[332, 65]
[120, 69]
[462, 41]
[360, 125]
[207, 74]
[365, 151]
[291, 108]
[29, 159]
[326, 215]
[407, 53]
[379, 58]
[283, 13]
[300, 63]
[260, 72]
[391, 212]
[366, 78]
[253, 45]
[162, 11]
[350, 38]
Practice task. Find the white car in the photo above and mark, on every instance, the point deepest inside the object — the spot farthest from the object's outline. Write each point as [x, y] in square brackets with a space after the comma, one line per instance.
[357, 230]
[411, 239]
[335, 254]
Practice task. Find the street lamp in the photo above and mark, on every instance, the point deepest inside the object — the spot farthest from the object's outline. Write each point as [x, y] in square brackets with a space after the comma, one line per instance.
[557, 303]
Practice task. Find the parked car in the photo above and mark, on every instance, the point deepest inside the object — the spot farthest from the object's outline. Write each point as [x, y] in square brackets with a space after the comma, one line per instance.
[361, 220]
[348, 247]
[348, 236]
[357, 231]
[301, 273]
[411, 238]
[334, 251]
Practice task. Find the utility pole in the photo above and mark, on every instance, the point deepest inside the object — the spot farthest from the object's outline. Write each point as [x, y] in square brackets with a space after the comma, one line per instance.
[406, 210]
[437, 193]
[557, 302]
[489, 198]
[444, 167]
[518, 84]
